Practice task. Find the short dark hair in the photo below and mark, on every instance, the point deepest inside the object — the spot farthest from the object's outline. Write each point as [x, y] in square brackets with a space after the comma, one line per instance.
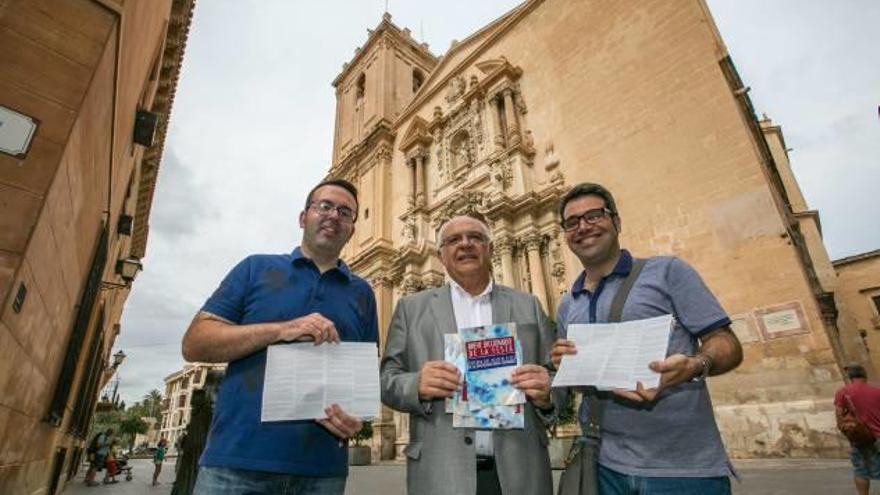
[348, 186]
[588, 189]
[855, 371]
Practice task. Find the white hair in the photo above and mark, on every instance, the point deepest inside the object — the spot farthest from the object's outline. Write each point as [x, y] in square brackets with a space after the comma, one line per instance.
[486, 230]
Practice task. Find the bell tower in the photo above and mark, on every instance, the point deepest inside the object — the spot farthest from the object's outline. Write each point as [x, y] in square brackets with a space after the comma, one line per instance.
[371, 91]
[376, 84]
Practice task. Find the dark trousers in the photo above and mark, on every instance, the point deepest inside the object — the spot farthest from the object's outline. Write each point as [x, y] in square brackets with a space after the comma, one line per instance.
[487, 477]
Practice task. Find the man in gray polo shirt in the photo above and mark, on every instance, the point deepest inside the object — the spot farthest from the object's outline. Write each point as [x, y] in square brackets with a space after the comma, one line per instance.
[661, 440]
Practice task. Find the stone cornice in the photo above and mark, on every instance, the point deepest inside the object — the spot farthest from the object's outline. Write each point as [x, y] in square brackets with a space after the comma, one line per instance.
[380, 251]
[176, 37]
[380, 135]
[856, 258]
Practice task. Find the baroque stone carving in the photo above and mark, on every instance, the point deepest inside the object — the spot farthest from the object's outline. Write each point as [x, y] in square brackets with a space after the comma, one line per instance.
[383, 153]
[465, 202]
[533, 241]
[518, 102]
[457, 87]
[501, 173]
[557, 264]
[382, 280]
[411, 284]
[433, 280]
[410, 232]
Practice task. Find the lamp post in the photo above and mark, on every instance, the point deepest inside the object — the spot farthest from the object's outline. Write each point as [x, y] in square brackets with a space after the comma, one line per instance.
[118, 358]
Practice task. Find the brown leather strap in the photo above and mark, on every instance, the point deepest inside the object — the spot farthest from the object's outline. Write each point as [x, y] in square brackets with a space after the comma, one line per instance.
[620, 298]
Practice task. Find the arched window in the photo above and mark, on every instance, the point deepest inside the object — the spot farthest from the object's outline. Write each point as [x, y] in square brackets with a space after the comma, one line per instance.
[417, 79]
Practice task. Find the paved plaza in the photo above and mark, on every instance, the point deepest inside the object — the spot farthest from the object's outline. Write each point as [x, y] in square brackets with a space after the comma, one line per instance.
[758, 477]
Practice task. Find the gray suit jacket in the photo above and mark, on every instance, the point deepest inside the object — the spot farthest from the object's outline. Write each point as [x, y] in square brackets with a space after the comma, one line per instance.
[441, 460]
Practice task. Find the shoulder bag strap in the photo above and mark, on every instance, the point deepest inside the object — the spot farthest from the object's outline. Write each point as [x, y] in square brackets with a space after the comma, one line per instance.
[596, 406]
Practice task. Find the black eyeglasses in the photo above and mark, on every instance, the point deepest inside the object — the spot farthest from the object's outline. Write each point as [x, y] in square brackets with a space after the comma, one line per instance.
[324, 208]
[591, 217]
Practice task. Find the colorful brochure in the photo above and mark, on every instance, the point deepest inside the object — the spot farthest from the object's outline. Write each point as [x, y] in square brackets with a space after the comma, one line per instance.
[490, 402]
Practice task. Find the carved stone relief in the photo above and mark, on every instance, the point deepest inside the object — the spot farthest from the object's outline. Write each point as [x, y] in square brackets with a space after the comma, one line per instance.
[457, 87]
[465, 202]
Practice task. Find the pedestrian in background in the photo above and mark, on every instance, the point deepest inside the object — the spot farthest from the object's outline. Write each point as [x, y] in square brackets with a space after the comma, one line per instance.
[857, 407]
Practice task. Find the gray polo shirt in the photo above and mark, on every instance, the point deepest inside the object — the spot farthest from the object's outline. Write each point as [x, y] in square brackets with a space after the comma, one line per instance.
[676, 436]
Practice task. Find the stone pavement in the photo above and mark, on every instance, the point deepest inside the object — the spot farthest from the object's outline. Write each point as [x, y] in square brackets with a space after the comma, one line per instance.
[142, 471]
[758, 477]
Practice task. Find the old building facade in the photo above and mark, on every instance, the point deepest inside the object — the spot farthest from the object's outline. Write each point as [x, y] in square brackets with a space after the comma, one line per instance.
[95, 80]
[177, 399]
[642, 97]
[858, 295]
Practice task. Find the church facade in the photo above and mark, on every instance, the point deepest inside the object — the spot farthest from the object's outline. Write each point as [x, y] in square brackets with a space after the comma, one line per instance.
[642, 98]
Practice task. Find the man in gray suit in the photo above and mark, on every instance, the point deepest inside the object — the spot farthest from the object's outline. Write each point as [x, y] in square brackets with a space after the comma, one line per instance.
[415, 378]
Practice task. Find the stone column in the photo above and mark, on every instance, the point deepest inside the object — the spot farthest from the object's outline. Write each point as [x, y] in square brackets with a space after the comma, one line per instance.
[413, 191]
[384, 431]
[496, 122]
[510, 114]
[539, 287]
[504, 247]
[421, 196]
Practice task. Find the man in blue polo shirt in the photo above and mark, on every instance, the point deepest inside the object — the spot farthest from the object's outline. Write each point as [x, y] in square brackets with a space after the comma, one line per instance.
[309, 294]
[661, 440]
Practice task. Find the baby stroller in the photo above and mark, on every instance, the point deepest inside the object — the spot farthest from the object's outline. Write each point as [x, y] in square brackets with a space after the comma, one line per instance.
[122, 467]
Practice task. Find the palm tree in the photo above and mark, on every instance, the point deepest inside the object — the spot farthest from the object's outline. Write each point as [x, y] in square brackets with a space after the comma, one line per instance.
[153, 404]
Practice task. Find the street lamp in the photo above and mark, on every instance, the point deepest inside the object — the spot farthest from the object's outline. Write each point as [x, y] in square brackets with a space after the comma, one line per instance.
[128, 268]
[118, 358]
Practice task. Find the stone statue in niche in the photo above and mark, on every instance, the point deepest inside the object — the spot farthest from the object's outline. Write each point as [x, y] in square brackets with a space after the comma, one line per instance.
[477, 121]
[457, 87]
[461, 150]
[409, 226]
[529, 142]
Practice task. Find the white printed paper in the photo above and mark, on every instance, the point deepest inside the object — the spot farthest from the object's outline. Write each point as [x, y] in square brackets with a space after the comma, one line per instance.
[302, 379]
[615, 355]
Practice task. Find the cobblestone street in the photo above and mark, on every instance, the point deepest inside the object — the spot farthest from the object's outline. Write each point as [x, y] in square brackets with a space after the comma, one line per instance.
[758, 477]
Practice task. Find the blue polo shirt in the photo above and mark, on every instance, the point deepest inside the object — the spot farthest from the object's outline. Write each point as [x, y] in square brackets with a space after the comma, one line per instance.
[271, 288]
[676, 436]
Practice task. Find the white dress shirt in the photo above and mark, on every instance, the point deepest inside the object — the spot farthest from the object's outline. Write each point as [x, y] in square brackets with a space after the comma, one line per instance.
[474, 311]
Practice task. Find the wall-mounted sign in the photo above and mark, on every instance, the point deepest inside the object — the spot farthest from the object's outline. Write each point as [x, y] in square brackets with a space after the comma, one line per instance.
[16, 132]
[782, 320]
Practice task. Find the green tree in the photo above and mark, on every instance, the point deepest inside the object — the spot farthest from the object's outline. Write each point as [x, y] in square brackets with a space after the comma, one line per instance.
[130, 425]
[365, 433]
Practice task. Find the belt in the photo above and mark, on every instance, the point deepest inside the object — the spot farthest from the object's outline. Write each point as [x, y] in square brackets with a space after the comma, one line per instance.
[485, 463]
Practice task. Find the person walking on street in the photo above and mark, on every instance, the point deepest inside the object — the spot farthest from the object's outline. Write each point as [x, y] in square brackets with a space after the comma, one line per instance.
[158, 459]
[857, 407]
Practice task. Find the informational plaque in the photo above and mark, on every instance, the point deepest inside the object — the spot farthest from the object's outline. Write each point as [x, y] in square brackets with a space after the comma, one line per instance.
[16, 132]
[782, 320]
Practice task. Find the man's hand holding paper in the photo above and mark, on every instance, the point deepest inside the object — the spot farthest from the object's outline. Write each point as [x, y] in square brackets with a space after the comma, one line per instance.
[438, 380]
[534, 381]
[623, 357]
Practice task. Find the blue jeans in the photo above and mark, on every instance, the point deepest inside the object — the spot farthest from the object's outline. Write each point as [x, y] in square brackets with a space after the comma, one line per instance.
[221, 481]
[613, 483]
[866, 463]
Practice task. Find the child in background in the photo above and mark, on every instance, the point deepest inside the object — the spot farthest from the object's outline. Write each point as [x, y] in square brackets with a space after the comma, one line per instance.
[110, 462]
[158, 458]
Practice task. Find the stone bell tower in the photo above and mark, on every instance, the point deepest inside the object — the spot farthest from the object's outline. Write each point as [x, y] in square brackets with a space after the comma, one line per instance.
[371, 91]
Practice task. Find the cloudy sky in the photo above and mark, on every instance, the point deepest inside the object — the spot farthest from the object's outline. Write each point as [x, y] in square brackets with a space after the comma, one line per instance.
[252, 125]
